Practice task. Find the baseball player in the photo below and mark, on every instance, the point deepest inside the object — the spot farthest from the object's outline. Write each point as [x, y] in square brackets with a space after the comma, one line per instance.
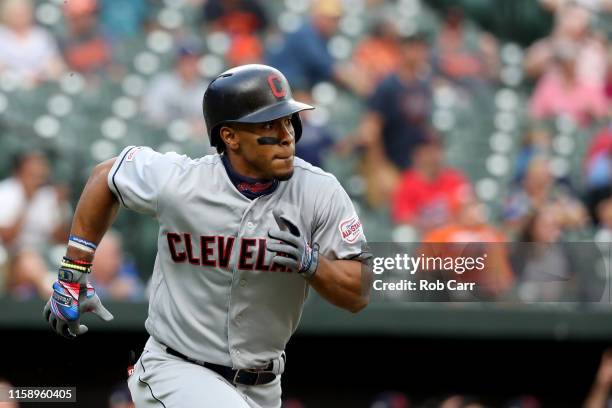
[243, 235]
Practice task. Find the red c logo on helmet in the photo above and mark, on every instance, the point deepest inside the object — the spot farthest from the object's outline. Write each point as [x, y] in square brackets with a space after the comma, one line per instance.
[276, 86]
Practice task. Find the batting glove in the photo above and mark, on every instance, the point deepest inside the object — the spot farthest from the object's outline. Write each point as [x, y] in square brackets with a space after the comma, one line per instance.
[73, 296]
[293, 251]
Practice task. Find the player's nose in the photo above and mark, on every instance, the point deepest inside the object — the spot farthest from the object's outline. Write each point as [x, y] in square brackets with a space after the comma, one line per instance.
[286, 133]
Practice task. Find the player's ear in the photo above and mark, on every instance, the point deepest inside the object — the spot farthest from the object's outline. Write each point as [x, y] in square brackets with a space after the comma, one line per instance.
[229, 137]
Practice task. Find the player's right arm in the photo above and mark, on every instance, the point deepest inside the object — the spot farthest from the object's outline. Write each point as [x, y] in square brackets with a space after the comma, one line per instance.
[96, 210]
[72, 295]
[133, 180]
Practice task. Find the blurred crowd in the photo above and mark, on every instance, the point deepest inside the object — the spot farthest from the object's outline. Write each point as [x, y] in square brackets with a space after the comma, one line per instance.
[393, 71]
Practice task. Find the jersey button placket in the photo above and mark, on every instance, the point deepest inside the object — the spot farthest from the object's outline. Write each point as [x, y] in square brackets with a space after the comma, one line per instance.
[245, 230]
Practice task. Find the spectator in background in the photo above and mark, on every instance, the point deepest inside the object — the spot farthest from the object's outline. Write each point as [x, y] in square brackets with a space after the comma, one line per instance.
[122, 19]
[537, 190]
[561, 91]
[604, 217]
[543, 260]
[84, 47]
[303, 55]
[536, 142]
[27, 52]
[378, 54]
[33, 216]
[244, 49]
[235, 17]
[598, 169]
[429, 194]
[317, 139]
[463, 54]
[572, 24]
[177, 94]
[114, 277]
[471, 226]
[242, 21]
[597, 164]
[399, 110]
[397, 119]
[601, 390]
[549, 269]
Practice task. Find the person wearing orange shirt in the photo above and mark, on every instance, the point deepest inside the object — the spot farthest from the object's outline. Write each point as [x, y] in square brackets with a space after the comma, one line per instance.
[474, 237]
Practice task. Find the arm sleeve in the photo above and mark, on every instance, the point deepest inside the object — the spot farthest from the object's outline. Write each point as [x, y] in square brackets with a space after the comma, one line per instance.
[338, 229]
[138, 176]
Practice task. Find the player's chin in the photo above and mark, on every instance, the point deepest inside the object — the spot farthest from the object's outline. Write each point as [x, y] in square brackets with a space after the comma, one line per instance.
[282, 169]
[283, 172]
[284, 175]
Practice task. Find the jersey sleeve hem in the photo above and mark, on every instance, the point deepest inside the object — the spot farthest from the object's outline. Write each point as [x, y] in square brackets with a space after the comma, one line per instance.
[113, 172]
[364, 256]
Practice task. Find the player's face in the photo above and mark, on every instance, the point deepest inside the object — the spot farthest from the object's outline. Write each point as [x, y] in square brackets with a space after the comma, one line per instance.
[268, 148]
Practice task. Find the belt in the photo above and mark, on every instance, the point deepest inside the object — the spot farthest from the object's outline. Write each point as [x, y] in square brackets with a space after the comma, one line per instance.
[243, 376]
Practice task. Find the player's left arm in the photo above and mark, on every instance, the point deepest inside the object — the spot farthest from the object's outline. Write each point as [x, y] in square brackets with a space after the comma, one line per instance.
[336, 272]
[340, 283]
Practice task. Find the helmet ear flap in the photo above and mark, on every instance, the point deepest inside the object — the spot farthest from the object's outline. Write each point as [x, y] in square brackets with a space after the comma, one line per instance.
[297, 126]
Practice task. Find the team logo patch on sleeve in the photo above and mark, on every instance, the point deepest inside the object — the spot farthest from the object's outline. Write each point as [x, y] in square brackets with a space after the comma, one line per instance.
[132, 153]
[350, 229]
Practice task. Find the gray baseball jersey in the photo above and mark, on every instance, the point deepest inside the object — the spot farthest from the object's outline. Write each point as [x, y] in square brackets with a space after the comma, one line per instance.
[215, 296]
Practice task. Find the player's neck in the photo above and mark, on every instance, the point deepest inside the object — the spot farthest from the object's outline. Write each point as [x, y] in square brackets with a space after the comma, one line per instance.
[250, 187]
[240, 169]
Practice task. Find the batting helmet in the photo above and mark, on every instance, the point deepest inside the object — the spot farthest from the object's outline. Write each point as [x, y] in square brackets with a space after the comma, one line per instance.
[249, 94]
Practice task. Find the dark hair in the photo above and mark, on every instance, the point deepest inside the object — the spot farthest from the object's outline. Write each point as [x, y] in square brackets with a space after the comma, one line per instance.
[22, 156]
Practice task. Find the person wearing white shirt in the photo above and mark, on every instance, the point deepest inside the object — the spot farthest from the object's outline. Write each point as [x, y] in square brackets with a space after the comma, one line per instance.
[33, 215]
[27, 52]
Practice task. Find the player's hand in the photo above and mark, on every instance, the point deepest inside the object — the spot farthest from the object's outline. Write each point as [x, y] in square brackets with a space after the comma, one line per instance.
[293, 250]
[70, 299]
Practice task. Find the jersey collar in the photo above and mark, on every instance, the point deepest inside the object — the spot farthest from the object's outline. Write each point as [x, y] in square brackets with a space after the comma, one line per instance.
[249, 187]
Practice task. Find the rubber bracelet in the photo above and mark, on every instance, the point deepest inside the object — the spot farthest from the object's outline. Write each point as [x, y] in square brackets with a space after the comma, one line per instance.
[82, 244]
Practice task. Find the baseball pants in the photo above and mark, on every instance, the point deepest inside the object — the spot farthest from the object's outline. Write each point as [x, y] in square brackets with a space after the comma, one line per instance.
[161, 380]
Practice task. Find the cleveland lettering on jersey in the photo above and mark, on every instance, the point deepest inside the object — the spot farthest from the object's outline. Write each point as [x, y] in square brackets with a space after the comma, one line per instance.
[213, 251]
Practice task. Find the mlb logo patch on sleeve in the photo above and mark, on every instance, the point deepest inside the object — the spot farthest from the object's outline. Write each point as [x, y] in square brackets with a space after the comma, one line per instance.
[350, 229]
